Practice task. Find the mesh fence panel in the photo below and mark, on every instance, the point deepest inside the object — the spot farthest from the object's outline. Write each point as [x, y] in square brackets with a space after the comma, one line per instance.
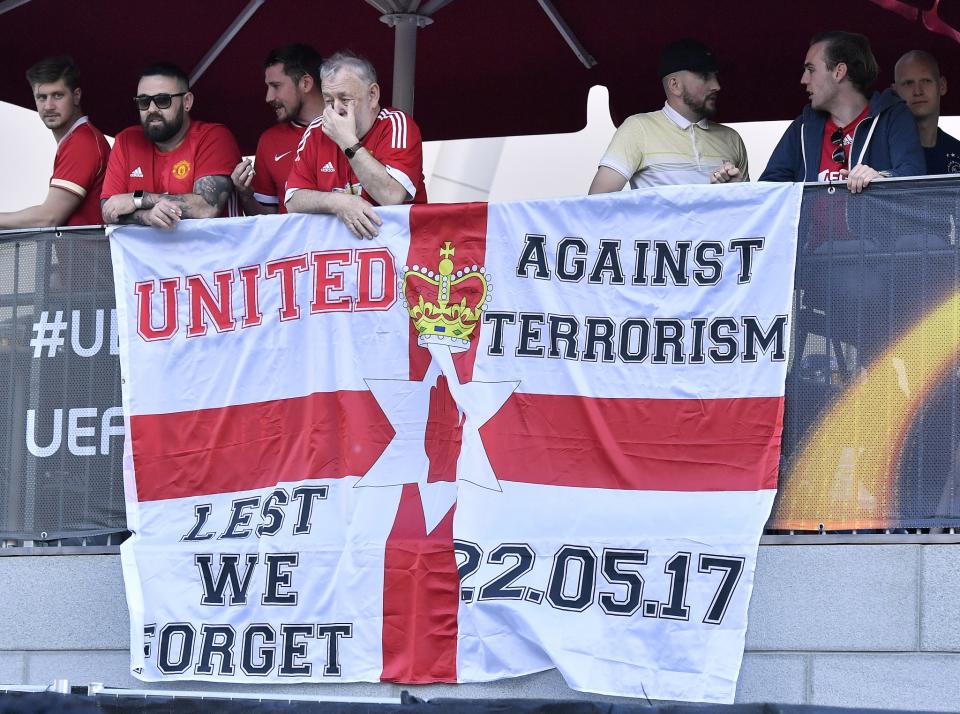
[871, 422]
[61, 426]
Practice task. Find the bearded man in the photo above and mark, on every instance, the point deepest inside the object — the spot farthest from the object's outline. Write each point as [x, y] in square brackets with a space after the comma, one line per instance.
[292, 76]
[170, 167]
[678, 144]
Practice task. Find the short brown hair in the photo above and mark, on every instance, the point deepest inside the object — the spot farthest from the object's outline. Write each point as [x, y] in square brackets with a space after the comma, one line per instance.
[53, 69]
[853, 49]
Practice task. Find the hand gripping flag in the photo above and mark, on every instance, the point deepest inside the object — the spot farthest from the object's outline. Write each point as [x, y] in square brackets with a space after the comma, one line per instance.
[496, 440]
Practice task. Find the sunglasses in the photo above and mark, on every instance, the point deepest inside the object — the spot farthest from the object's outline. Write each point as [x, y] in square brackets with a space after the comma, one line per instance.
[163, 101]
[839, 155]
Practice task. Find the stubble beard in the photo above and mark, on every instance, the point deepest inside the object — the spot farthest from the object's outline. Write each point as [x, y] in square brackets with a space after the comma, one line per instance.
[706, 109]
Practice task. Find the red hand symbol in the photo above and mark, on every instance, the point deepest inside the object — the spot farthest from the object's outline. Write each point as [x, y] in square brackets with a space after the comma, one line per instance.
[444, 433]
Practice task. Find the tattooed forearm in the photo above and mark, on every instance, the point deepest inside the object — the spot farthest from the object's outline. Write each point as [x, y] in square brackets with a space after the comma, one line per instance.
[137, 218]
[215, 190]
[172, 197]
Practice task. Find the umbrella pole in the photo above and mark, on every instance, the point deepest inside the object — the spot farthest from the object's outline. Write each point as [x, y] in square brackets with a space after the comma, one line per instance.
[405, 28]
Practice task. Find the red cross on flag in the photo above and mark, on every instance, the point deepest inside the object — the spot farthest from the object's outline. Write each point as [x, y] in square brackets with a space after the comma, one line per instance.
[493, 441]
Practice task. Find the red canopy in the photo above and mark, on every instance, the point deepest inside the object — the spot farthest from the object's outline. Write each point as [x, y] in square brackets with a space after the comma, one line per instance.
[483, 67]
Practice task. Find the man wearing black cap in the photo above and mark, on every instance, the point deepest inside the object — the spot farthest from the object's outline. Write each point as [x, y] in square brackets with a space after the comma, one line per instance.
[677, 144]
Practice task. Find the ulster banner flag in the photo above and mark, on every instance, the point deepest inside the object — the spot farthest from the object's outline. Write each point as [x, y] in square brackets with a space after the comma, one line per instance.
[495, 440]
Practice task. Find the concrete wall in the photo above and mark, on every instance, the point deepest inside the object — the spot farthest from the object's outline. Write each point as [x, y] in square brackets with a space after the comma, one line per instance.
[848, 625]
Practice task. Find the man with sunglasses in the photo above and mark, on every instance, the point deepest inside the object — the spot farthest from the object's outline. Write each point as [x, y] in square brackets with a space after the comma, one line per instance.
[73, 198]
[291, 74]
[842, 135]
[170, 167]
[356, 154]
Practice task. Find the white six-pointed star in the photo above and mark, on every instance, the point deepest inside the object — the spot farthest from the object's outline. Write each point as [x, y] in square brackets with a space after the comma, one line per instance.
[406, 405]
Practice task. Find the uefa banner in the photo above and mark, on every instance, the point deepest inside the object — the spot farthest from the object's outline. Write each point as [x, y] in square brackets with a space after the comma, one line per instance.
[61, 423]
[495, 440]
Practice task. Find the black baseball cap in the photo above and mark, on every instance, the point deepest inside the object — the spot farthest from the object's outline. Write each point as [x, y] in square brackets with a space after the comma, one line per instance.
[687, 54]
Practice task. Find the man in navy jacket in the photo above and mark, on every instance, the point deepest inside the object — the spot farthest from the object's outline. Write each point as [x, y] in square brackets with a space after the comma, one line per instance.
[841, 135]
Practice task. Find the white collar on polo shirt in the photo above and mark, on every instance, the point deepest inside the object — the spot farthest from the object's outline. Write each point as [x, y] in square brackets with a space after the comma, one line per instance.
[680, 120]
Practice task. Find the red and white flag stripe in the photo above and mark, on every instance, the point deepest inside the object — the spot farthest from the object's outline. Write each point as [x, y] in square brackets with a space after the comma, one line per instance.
[320, 497]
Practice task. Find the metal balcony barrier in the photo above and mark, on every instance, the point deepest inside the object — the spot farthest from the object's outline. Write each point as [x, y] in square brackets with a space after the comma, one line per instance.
[871, 438]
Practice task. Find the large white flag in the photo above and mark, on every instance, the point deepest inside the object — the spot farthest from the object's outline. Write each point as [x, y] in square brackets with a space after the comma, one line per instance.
[496, 440]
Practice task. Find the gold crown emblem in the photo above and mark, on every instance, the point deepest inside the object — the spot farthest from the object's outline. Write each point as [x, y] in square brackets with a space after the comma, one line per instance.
[445, 306]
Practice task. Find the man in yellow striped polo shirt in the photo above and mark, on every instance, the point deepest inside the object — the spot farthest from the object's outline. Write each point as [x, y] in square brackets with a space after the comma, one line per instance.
[677, 144]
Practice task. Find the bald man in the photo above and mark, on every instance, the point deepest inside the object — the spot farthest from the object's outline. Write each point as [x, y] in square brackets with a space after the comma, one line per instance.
[918, 81]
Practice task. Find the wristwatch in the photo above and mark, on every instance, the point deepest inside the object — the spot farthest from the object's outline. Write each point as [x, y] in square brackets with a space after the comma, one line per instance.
[351, 151]
[138, 199]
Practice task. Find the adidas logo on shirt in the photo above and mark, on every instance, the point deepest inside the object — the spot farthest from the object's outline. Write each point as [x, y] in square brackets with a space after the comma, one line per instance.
[328, 168]
[136, 173]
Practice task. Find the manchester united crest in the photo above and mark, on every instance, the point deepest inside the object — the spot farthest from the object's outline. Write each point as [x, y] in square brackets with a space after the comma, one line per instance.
[181, 169]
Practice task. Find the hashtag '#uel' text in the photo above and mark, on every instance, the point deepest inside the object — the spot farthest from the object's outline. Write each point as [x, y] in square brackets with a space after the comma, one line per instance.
[48, 334]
